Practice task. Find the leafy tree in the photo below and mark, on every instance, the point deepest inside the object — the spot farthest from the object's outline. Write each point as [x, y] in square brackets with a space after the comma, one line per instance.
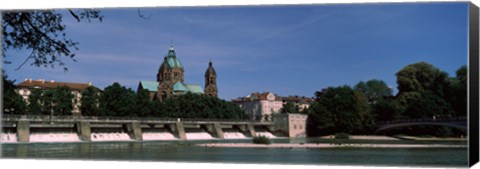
[385, 109]
[458, 96]
[90, 101]
[13, 103]
[143, 105]
[380, 98]
[62, 101]
[422, 77]
[423, 83]
[56, 101]
[117, 100]
[428, 105]
[35, 104]
[339, 109]
[191, 105]
[373, 89]
[42, 32]
[289, 108]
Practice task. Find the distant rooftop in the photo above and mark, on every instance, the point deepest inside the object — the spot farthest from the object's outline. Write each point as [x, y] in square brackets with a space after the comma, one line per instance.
[49, 84]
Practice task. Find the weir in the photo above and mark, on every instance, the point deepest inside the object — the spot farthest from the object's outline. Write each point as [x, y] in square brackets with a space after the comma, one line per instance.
[86, 129]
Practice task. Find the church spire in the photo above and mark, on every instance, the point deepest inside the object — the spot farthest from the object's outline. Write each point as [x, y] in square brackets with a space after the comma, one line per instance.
[211, 81]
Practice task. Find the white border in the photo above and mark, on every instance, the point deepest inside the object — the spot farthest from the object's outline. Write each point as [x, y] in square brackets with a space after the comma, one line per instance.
[52, 4]
[49, 4]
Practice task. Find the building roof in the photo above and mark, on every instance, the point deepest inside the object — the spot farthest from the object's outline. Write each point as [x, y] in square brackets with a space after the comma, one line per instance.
[44, 84]
[179, 86]
[257, 97]
[174, 62]
[149, 85]
[210, 70]
[194, 88]
[172, 59]
[298, 99]
[263, 96]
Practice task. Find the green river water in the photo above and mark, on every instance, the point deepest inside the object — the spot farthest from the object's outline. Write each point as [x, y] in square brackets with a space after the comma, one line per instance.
[185, 151]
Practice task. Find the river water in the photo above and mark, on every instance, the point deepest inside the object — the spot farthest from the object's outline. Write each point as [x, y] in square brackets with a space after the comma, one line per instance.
[184, 151]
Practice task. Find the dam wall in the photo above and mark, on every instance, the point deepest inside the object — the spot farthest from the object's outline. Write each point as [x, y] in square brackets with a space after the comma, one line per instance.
[92, 129]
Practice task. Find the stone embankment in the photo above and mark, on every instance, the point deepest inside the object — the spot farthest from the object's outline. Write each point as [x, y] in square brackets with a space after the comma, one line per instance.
[327, 145]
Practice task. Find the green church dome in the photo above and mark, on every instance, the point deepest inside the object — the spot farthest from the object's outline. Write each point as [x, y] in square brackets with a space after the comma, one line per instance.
[172, 59]
[174, 62]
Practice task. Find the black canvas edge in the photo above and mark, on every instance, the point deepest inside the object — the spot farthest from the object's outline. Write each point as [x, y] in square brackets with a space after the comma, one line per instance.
[473, 85]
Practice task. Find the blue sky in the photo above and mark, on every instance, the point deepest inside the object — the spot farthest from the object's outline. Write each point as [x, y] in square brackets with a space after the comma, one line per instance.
[288, 50]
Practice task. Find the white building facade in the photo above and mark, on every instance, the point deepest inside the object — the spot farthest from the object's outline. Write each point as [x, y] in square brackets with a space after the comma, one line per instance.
[260, 106]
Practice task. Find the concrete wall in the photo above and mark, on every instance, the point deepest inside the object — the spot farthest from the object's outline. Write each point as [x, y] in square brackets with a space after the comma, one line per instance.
[23, 130]
[84, 130]
[293, 125]
[297, 125]
[134, 130]
[180, 131]
[83, 127]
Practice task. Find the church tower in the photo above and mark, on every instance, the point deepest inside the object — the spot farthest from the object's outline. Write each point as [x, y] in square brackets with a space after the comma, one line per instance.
[211, 81]
[170, 72]
[165, 87]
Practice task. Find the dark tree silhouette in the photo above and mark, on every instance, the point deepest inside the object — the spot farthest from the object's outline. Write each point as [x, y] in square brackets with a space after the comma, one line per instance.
[43, 33]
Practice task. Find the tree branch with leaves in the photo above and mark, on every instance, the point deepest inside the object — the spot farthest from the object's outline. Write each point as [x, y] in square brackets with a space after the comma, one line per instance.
[43, 33]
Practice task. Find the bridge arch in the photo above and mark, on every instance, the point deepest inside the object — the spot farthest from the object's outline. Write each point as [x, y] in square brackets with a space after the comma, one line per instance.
[458, 125]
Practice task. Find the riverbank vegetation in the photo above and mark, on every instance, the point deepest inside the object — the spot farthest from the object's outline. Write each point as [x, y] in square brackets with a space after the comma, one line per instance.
[424, 92]
[261, 140]
[117, 100]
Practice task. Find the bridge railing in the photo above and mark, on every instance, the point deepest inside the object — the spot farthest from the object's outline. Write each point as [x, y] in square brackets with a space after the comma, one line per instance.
[423, 120]
[113, 119]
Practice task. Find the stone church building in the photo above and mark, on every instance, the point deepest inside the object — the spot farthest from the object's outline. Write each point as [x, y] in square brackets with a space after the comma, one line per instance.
[170, 80]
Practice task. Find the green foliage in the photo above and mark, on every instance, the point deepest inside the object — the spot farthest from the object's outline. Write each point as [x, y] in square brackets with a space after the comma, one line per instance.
[424, 92]
[13, 103]
[380, 98]
[35, 105]
[339, 109]
[289, 108]
[90, 101]
[260, 139]
[191, 105]
[62, 101]
[428, 105]
[143, 105]
[57, 101]
[422, 77]
[373, 89]
[42, 32]
[342, 136]
[385, 109]
[458, 96]
[117, 100]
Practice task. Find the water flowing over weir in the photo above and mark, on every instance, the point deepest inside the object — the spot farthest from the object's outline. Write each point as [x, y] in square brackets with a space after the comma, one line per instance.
[267, 134]
[234, 135]
[158, 136]
[8, 138]
[198, 134]
[110, 137]
[54, 137]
